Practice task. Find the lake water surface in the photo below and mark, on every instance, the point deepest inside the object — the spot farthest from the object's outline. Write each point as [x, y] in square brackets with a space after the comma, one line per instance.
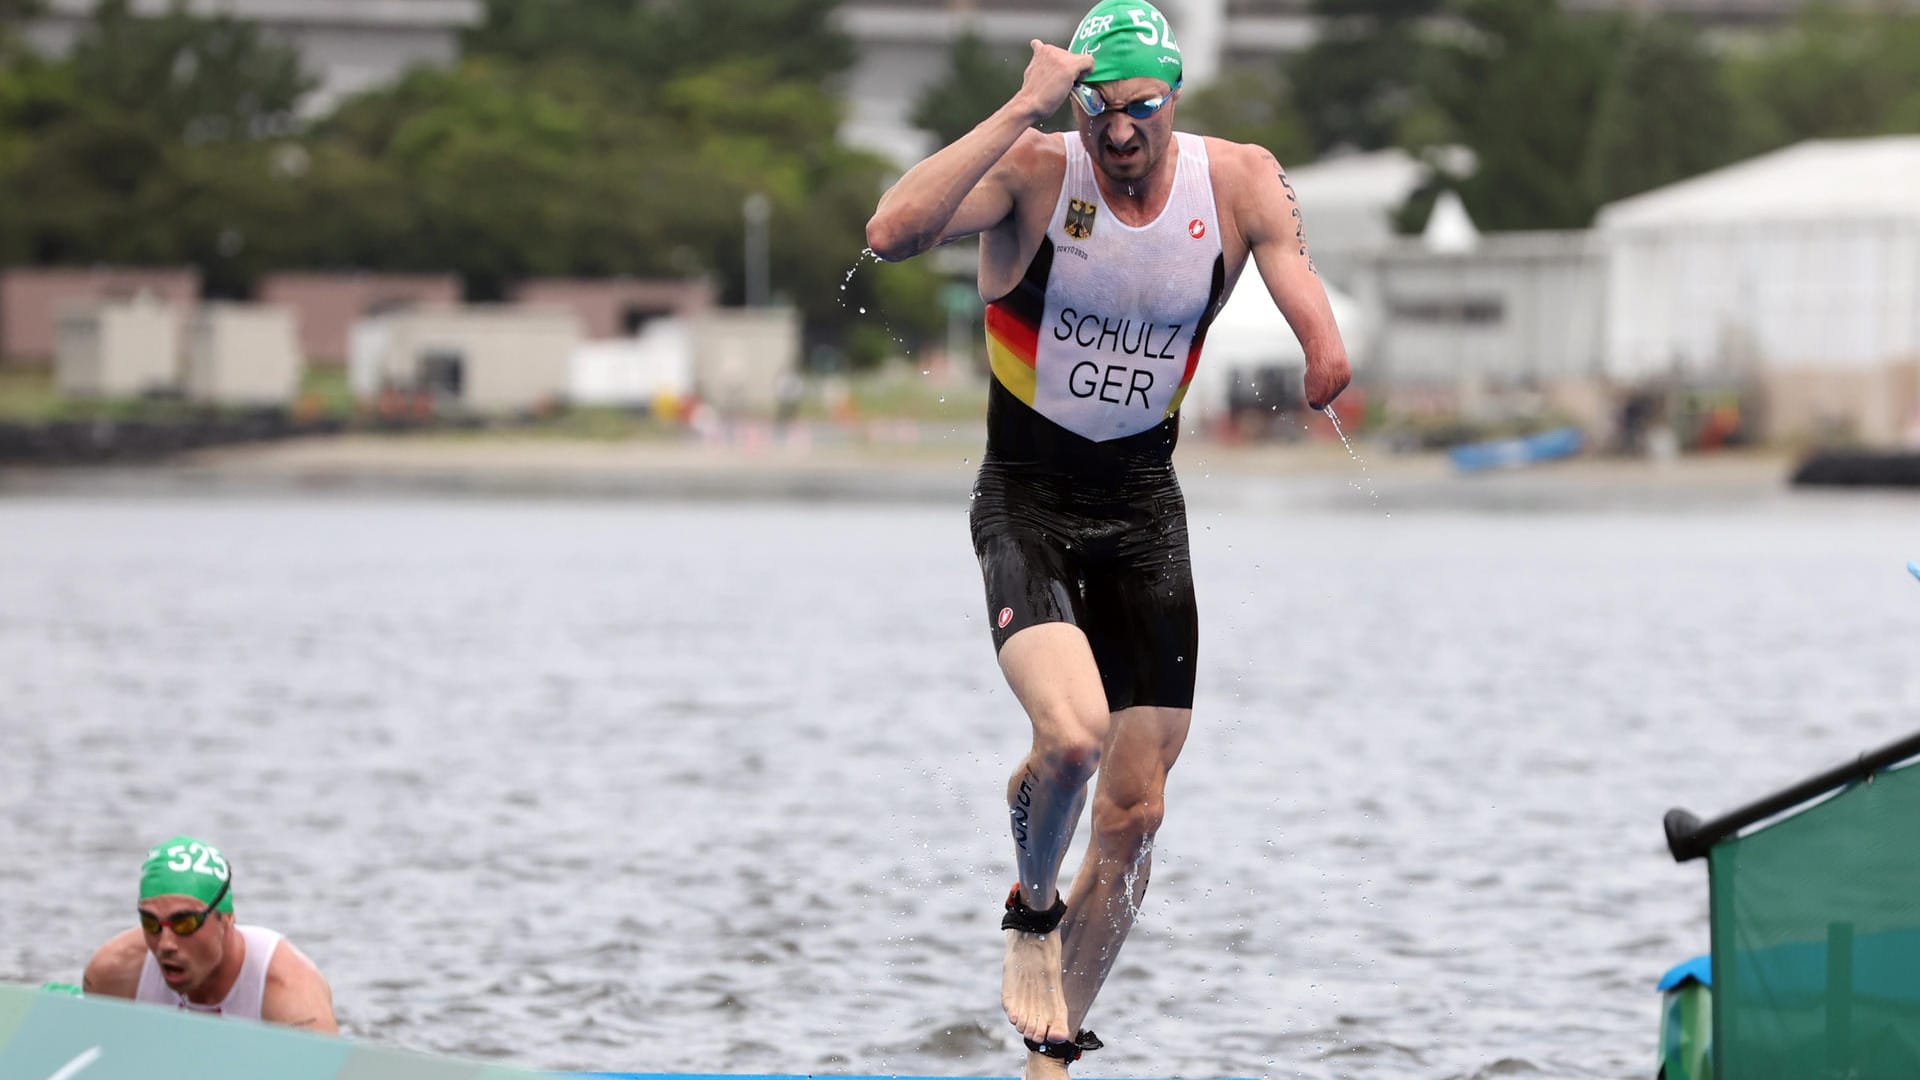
[717, 786]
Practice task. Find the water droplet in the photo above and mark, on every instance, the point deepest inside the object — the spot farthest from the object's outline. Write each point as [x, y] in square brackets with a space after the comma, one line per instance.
[1337, 430]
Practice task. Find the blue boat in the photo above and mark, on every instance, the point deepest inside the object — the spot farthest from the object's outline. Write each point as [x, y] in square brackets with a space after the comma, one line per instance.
[1514, 453]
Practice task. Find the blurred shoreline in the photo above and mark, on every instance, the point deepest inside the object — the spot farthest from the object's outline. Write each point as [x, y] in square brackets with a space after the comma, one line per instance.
[919, 466]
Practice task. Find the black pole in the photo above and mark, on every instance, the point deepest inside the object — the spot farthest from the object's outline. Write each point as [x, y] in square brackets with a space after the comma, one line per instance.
[1689, 838]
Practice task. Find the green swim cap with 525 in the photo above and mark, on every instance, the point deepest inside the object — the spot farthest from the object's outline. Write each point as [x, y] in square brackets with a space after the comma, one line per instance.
[184, 866]
[1128, 39]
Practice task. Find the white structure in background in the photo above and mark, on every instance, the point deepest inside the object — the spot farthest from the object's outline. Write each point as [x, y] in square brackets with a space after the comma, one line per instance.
[1450, 230]
[634, 372]
[478, 359]
[736, 361]
[1348, 202]
[242, 354]
[1509, 309]
[349, 45]
[1250, 347]
[1799, 269]
[117, 350]
[743, 356]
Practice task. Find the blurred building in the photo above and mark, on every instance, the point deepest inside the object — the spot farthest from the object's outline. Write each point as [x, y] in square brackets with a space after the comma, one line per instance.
[118, 349]
[741, 357]
[651, 370]
[1776, 299]
[241, 354]
[475, 359]
[1798, 270]
[1508, 320]
[349, 45]
[617, 307]
[326, 305]
[32, 300]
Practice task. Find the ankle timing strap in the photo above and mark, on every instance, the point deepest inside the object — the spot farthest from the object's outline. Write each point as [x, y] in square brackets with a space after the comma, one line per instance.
[1068, 1052]
[1028, 921]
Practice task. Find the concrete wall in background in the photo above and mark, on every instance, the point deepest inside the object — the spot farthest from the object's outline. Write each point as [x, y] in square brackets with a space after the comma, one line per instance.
[326, 305]
[1878, 405]
[480, 359]
[741, 355]
[118, 349]
[242, 354]
[616, 307]
[1518, 308]
[32, 299]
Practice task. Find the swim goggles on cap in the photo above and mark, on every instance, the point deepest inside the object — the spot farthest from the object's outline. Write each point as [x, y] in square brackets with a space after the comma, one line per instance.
[184, 923]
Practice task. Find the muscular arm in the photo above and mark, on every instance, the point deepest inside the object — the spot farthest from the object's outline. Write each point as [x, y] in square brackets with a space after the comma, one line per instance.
[297, 995]
[1267, 211]
[972, 184]
[114, 970]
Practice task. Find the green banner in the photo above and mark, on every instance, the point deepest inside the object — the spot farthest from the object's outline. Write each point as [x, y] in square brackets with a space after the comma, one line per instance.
[53, 1036]
[1816, 940]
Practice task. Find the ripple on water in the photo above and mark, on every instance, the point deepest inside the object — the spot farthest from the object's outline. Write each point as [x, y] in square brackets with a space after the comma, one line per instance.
[694, 788]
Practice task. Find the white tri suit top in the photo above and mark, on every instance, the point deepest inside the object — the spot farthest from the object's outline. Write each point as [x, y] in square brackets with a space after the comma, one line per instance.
[1102, 335]
[249, 991]
[1077, 516]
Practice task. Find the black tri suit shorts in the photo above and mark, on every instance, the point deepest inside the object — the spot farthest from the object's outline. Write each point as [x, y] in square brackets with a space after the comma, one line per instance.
[1094, 534]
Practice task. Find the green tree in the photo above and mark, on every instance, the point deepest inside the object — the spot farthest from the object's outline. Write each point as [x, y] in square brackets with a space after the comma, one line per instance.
[1837, 72]
[200, 78]
[14, 15]
[1250, 105]
[550, 151]
[978, 80]
[1666, 112]
[1364, 77]
[508, 170]
[142, 146]
[1519, 83]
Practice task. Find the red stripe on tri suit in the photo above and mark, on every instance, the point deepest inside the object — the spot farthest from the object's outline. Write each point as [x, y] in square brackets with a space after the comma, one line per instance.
[1193, 355]
[1019, 336]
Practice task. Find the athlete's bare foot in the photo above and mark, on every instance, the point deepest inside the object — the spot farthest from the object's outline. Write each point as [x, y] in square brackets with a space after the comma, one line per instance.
[1030, 987]
[1042, 1067]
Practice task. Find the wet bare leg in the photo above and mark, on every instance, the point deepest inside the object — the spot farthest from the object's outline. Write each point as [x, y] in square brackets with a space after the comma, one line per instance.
[1112, 881]
[1051, 670]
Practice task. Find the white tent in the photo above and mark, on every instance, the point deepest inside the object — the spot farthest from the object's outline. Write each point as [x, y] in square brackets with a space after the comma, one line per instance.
[1805, 257]
[1250, 334]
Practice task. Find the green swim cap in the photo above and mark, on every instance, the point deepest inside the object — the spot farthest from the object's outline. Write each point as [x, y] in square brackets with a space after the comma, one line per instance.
[1128, 39]
[184, 866]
